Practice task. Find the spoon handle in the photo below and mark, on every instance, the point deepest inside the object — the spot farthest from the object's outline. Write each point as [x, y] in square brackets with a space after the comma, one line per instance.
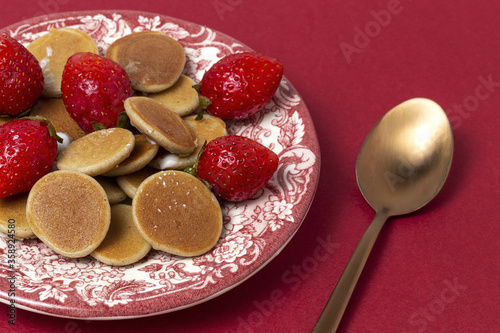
[337, 303]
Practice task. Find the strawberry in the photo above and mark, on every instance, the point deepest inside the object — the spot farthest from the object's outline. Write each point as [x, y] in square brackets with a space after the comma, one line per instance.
[21, 77]
[94, 89]
[240, 85]
[236, 167]
[28, 149]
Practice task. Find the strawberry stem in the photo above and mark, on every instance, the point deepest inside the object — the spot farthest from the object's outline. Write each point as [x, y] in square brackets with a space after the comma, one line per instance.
[24, 113]
[204, 103]
[122, 120]
[193, 170]
[52, 130]
[98, 126]
[199, 115]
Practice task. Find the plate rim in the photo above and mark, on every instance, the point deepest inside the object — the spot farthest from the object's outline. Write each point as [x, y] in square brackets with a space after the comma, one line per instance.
[312, 135]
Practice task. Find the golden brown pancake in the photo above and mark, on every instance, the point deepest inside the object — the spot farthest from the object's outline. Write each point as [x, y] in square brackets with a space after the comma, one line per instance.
[160, 124]
[98, 152]
[176, 213]
[69, 211]
[144, 151]
[131, 182]
[53, 49]
[13, 221]
[153, 60]
[181, 98]
[205, 130]
[113, 191]
[123, 244]
[54, 110]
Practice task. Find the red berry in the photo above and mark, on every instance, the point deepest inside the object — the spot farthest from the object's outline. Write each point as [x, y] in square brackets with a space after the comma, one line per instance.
[236, 167]
[27, 153]
[94, 89]
[21, 78]
[241, 84]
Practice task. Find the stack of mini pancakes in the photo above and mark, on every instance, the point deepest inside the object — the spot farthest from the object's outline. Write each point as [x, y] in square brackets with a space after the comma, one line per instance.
[116, 193]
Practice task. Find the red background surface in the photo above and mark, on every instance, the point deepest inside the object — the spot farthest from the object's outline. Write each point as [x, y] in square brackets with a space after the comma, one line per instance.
[433, 271]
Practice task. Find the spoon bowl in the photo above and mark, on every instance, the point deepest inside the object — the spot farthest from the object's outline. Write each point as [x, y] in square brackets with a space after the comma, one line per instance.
[406, 157]
[402, 165]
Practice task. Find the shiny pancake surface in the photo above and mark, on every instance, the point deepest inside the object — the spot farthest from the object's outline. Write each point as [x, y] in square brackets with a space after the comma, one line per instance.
[123, 244]
[98, 152]
[144, 151]
[113, 191]
[205, 130]
[162, 125]
[69, 211]
[54, 110]
[153, 60]
[181, 98]
[13, 221]
[176, 213]
[131, 182]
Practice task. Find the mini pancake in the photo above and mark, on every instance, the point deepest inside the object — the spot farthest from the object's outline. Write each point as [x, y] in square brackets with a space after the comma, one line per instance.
[54, 110]
[181, 98]
[205, 130]
[123, 244]
[144, 151]
[69, 211]
[13, 214]
[153, 60]
[131, 182]
[113, 191]
[160, 124]
[98, 152]
[176, 213]
[53, 49]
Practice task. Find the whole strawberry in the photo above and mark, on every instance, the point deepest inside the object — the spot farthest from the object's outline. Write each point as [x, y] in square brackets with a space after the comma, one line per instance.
[236, 167]
[28, 149]
[240, 85]
[21, 78]
[93, 90]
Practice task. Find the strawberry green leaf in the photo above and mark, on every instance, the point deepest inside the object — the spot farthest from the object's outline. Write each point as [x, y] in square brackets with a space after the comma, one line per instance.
[52, 130]
[123, 120]
[98, 126]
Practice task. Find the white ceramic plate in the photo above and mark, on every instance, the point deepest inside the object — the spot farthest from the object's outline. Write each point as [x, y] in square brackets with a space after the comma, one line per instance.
[254, 232]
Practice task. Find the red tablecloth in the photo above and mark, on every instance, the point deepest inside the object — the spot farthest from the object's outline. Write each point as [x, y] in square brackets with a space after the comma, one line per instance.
[433, 271]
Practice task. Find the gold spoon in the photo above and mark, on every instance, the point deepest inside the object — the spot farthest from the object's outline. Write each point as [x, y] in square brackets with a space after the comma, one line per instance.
[401, 166]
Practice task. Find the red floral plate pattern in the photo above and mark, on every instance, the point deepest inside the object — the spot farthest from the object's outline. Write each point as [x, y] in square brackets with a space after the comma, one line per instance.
[254, 232]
